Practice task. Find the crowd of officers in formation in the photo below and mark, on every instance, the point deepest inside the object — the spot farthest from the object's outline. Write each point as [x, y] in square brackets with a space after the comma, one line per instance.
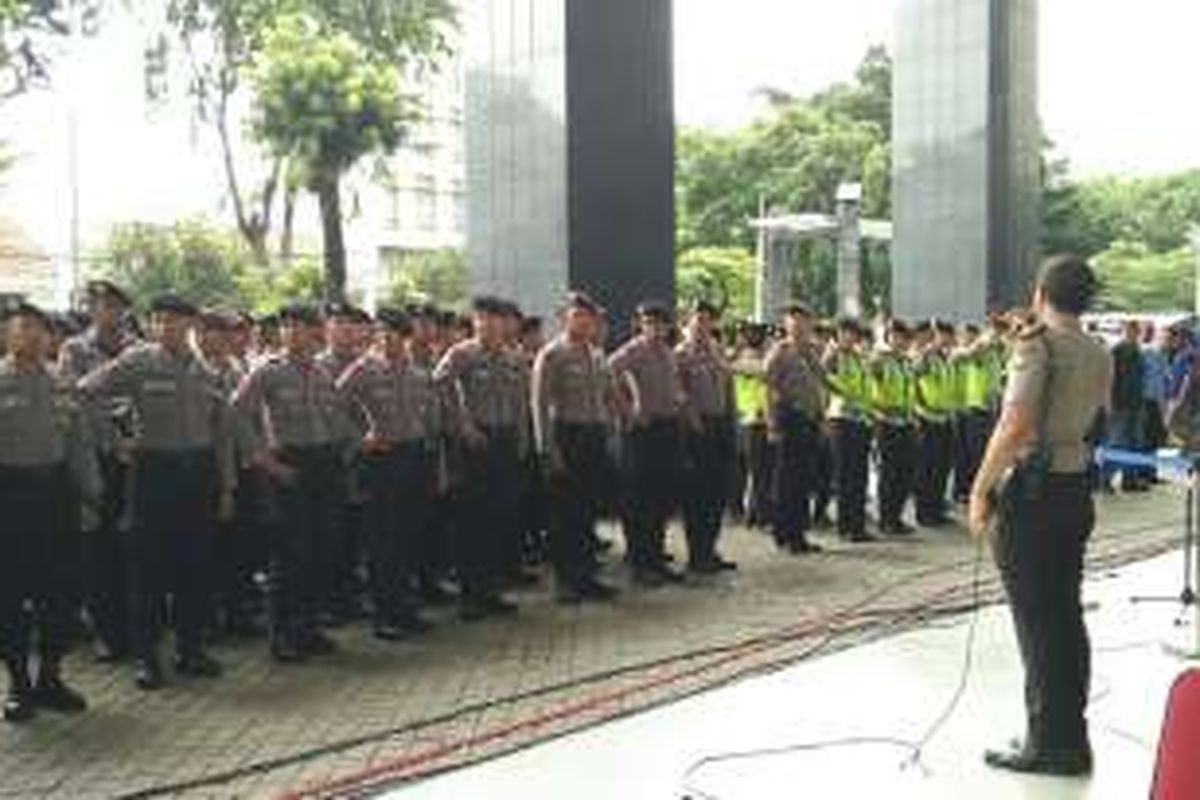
[323, 465]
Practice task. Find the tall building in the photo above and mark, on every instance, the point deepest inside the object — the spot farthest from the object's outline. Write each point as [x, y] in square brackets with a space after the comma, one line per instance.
[966, 153]
[570, 150]
[418, 201]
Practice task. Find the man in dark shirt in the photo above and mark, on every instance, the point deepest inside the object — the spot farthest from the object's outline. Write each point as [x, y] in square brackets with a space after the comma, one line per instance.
[1126, 406]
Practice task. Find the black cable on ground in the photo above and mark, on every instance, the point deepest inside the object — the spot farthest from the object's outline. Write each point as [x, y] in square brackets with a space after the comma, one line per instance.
[269, 765]
[914, 748]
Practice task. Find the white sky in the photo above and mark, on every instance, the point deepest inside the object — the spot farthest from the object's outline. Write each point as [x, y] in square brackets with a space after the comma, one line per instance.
[1118, 91]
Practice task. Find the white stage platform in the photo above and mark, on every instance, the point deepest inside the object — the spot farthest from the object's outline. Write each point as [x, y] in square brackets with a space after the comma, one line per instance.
[891, 688]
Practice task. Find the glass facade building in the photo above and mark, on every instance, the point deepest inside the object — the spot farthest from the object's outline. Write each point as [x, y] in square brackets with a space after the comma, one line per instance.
[966, 156]
[570, 150]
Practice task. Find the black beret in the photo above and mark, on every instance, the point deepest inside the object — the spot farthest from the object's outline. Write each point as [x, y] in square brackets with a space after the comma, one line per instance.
[219, 320]
[897, 325]
[706, 307]
[23, 308]
[394, 319]
[348, 312]
[489, 305]
[797, 309]
[108, 290]
[173, 304]
[849, 324]
[922, 326]
[300, 314]
[582, 301]
[943, 326]
[653, 310]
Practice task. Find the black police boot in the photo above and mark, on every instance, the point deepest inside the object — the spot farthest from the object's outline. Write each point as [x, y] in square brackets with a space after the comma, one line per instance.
[498, 606]
[18, 705]
[149, 674]
[195, 663]
[597, 592]
[314, 643]
[284, 650]
[52, 694]
[1021, 758]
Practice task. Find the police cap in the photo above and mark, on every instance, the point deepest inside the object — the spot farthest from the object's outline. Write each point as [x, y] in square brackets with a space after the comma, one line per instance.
[106, 289]
[395, 320]
[173, 304]
[299, 314]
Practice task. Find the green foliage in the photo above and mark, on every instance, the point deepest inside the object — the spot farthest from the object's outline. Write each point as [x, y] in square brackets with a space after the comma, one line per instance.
[1139, 279]
[302, 281]
[28, 30]
[209, 266]
[321, 99]
[721, 275]
[792, 159]
[440, 277]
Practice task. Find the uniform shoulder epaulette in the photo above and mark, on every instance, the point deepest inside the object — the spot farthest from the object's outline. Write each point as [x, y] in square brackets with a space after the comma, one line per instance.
[1032, 331]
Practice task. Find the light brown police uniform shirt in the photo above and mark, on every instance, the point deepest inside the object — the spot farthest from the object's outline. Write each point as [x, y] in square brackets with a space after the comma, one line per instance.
[570, 384]
[395, 399]
[484, 386]
[796, 381]
[648, 369]
[706, 379]
[1061, 376]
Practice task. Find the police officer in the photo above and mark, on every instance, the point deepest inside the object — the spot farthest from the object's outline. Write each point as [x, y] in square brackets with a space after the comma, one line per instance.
[935, 409]
[750, 390]
[649, 398]
[47, 466]
[1059, 381]
[184, 478]
[397, 419]
[797, 399]
[973, 377]
[347, 336]
[293, 423]
[488, 404]
[709, 414]
[571, 402]
[850, 432]
[106, 563]
[893, 402]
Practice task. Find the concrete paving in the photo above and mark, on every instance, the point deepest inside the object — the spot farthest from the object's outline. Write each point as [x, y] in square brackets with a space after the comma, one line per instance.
[407, 710]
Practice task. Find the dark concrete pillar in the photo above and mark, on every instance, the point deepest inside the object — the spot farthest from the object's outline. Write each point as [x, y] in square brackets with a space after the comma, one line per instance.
[570, 150]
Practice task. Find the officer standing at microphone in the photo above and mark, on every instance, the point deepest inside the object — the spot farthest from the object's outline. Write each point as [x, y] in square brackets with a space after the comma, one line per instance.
[1033, 482]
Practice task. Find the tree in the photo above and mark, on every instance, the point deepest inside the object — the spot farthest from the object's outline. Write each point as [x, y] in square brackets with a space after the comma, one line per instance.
[440, 277]
[793, 158]
[208, 266]
[1138, 279]
[322, 102]
[223, 38]
[28, 30]
[721, 275]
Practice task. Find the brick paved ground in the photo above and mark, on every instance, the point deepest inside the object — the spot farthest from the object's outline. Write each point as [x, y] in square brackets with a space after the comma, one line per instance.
[247, 734]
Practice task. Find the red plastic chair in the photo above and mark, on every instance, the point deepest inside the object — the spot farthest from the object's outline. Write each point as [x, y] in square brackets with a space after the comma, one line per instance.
[1177, 770]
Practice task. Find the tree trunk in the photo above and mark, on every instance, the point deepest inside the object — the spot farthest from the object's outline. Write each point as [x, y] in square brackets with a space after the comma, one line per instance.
[287, 236]
[329, 197]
